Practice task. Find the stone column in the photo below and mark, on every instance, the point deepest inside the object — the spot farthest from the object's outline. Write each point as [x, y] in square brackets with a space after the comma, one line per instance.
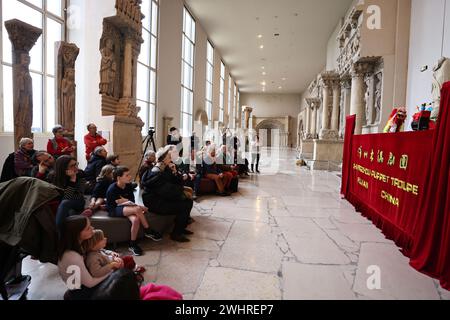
[67, 54]
[358, 104]
[346, 84]
[247, 112]
[327, 80]
[336, 104]
[23, 37]
[313, 105]
[325, 109]
[307, 124]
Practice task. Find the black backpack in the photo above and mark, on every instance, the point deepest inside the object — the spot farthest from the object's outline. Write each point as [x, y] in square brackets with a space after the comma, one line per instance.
[9, 171]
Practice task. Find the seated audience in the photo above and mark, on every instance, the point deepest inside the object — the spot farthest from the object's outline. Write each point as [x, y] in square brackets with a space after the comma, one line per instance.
[164, 195]
[95, 165]
[149, 162]
[44, 170]
[213, 172]
[75, 230]
[93, 140]
[113, 160]
[120, 202]
[101, 262]
[68, 178]
[59, 145]
[23, 158]
[175, 139]
[104, 180]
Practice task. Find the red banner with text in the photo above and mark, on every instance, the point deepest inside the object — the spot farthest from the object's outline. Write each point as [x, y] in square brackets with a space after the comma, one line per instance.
[387, 177]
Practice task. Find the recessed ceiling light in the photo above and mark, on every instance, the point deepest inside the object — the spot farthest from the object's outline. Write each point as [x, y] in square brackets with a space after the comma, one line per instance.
[284, 79]
[261, 46]
[264, 73]
[263, 67]
[280, 87]
[263, 83]
[259, 36]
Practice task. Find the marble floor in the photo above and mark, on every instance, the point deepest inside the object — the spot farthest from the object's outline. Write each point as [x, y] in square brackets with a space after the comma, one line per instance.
[285, 235]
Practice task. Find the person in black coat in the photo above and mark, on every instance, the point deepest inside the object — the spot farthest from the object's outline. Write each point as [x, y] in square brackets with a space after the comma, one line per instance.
[95, 165]
[164, 195]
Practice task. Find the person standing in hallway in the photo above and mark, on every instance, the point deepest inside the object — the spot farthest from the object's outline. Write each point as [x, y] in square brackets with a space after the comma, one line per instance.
[255, 149]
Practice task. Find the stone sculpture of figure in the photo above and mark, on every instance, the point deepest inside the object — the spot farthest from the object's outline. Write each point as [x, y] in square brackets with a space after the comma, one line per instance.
[367, 100]
[24, 116]
[378, 88]
[108, 69]
[440, 76]
[68, 100]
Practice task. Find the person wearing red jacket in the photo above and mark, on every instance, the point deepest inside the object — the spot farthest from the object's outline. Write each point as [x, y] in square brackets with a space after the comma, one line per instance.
[93, 140]
[59, 145]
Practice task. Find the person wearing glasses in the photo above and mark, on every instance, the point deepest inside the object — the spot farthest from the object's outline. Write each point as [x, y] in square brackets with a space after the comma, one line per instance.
[59, 145]
[68, 178]
[396, 120]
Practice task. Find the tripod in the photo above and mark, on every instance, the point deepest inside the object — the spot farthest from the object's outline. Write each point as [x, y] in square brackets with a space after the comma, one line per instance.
[147, 140]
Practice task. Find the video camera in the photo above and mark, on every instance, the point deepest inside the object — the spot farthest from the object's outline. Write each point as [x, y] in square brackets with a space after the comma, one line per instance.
[151, 131]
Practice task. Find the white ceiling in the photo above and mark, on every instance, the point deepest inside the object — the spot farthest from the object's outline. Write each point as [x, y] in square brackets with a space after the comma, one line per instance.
[297, 54]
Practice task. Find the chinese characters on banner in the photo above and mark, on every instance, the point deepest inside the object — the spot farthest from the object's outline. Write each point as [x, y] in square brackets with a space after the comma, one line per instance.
[387, 178]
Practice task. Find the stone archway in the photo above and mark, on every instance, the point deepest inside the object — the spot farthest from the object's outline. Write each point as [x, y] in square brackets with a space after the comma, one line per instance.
[270, 125]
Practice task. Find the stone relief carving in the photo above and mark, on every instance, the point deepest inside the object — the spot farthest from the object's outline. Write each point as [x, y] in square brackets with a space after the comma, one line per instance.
[24, 88]
[378, 96]
[108, 69]
[23, 37]
[441, 74]
[68, 100]
[67, 54]
[367, 98]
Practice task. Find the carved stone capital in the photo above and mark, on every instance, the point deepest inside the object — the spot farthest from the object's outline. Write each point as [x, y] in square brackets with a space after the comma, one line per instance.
[246, 109]
[22, 35]
[328, 79]
[68, 52]
[364, 66]
[313, 103]
[346, 81]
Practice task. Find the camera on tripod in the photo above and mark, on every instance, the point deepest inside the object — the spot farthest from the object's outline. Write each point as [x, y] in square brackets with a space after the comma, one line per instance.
[151, 131]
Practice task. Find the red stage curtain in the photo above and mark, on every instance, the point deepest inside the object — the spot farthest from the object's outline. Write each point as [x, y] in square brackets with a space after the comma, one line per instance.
[431, 251]
[347, 159]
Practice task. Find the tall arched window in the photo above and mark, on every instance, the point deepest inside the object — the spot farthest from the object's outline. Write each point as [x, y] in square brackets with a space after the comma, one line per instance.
[147, 65]
[48, 15]
[209, 82]
[187, 74]
[222, 92]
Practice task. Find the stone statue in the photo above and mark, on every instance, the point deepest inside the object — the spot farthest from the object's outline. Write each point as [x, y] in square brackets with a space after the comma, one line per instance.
[108, 69]
[24, 116]
[23, 37]
[68, 100]
[378, 95]
[65, 86]
[367, 100]
[440, 76]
